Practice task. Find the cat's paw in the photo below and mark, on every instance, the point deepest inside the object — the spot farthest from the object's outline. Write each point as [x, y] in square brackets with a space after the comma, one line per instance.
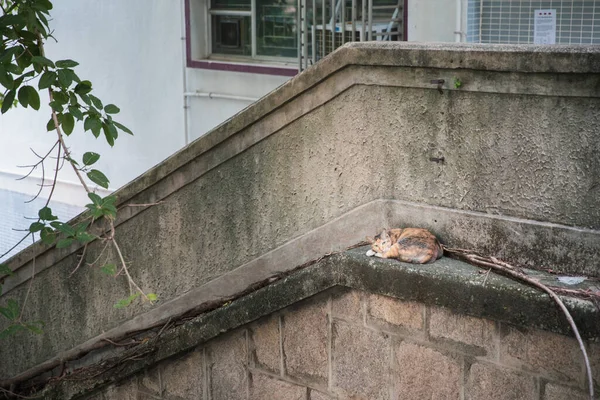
[379, 255]
[370, 253]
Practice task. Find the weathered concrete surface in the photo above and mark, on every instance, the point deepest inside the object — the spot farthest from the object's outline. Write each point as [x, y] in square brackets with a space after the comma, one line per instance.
[325, 306]
[519, 141]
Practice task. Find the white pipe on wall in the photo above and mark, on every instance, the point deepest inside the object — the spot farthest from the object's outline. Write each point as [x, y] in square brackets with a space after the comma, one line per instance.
[186, 130]
[458, 26]
[211, 95]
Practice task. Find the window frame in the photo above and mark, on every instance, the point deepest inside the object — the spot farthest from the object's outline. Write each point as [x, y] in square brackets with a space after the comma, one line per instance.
[222, 62]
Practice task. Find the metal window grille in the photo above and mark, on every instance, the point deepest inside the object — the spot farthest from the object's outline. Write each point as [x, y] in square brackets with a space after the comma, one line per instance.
[511, 21]
[326, 25]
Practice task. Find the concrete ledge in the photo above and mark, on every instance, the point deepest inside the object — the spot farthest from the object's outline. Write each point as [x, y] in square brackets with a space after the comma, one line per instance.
[448, 283]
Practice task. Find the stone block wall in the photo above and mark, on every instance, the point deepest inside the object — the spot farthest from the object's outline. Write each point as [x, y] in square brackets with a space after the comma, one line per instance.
[348, 344]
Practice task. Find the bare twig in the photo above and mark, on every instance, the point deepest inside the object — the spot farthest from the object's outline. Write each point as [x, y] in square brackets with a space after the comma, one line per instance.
[66, 150]
[16, 245]
[9, 393]
[164, 327]
[34, 166]
[486, 276]
[120, 344]
[124, 269]
[99, 255]
[28, 288]
[81, 260]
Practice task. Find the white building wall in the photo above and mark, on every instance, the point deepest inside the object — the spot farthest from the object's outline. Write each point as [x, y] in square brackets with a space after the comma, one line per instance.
[206, 113]
[433, 20]
[132, 52]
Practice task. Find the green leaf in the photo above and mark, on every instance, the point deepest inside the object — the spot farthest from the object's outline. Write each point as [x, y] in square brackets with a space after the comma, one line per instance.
[83, 88]
[66, 64]
[28, 96]
[33, 96]
[50, 126]
[11, 330]
[8, 101]
[56, 106]
[111, 199]
[111, 109]
[98, 178]
[42, 5]
[109, 210]
[64, 78]
[81, 227]
[62, 243]
[24, 60]
[96, 101]
[43, 61]
[109, 133]
[64, 228]
[97, 200]
[72, 75]
[22, 96]
[122, 127]
[5, 270]
[36, 227]
[94, 124]
[9, 53]
[86, 99]
[11, 311]
[11, 20]
[109, 269]
[90, 158]
[6, 79]
[47, 79]
[60, 97]
[47, 235]
[45, 214]
[68, 123]
[34, 327]
[152, 296]
[73, 99]
[76, 112]
[96, 211]
[15, 69]
[85, 237]
[125, 302]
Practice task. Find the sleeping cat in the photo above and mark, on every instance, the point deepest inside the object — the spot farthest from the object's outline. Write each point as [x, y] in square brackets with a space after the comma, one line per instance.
[412, 245]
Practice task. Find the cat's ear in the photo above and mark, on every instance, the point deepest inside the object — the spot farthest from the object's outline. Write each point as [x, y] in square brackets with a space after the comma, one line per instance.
[384, 235]
[370, 240]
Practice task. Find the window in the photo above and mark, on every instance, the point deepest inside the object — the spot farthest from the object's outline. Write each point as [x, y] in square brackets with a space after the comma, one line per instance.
[504, 21]
[282, 37]
[261, 29]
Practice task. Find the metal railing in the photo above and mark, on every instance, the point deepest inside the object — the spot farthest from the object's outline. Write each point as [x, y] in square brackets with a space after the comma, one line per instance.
[325, 25]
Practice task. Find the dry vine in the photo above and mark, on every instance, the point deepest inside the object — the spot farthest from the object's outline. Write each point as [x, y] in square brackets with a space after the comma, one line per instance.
[506, 269]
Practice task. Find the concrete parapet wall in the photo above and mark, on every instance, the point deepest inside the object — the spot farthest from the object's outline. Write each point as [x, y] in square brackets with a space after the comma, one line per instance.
[337, 153]
[349, 344]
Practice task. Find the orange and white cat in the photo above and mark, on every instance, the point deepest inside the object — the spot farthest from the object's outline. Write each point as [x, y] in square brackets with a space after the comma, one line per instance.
[412, 245]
